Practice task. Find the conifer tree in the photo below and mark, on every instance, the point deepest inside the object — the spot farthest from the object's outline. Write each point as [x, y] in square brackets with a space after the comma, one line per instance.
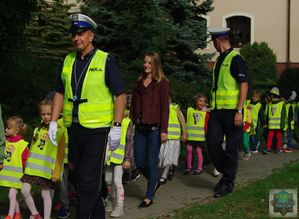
[47, 32]
[174, 28]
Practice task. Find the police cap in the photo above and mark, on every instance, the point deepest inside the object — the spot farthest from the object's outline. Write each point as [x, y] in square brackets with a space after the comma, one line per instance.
[219, 32]
[80, 23]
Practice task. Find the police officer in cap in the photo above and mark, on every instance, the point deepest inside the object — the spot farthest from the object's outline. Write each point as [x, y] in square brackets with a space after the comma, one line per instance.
[91, 95]
[229, 91]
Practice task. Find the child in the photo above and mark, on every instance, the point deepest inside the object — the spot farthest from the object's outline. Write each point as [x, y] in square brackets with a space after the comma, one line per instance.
[118, 159]
[16, 153]
[44, 163]
[246, 130]
[290, 122]
[2, 140]
[276, 120]
[257, 118]
[170, 150]
[197, 119]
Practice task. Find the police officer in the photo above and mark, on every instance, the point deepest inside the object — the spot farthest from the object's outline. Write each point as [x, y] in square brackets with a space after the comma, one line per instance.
[92, 96]
[229, 91]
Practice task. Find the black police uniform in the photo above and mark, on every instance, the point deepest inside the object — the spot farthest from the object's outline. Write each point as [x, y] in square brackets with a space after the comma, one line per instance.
[87, 146]
[221, 123]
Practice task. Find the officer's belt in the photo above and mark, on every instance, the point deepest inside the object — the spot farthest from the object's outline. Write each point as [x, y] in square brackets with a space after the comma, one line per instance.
[78, 101]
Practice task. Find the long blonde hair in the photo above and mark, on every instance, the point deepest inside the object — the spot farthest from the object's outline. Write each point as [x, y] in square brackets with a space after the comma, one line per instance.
[157, 71]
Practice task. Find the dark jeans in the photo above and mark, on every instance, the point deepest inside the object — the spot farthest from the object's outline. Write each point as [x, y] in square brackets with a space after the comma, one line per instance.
[146, 153]
[87, 152]
[221, 123]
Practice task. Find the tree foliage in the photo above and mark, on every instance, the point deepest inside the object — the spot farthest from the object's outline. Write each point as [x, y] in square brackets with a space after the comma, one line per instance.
[261, 62]
[289, 80]
[47, 32]
[173, 28]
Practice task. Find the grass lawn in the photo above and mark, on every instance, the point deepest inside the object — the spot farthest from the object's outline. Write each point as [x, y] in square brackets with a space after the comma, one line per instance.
[250, 201]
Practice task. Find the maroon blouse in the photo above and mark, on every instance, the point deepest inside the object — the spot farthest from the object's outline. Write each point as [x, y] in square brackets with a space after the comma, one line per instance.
[150, 105]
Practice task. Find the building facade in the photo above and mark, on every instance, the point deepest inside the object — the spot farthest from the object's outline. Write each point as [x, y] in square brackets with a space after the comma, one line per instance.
[272, 21]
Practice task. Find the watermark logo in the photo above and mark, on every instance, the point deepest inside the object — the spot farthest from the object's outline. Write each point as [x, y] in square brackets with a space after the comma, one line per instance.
[283, 203]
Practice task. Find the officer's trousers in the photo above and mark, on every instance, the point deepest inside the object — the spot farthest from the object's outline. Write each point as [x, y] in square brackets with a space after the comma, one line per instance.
[221, 123]
[87, 152]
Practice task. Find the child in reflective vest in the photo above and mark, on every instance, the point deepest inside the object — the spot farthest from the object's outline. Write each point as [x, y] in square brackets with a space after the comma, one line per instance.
[170, 150]
[276, 114]
[15, 157]
[197, 120]
[117, 159]
[44, 163]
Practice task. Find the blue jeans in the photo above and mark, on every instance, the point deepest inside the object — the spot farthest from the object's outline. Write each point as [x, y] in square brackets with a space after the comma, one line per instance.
[146, 152]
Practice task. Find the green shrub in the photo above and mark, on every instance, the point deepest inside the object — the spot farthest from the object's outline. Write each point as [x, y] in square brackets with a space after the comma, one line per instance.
[261, 63]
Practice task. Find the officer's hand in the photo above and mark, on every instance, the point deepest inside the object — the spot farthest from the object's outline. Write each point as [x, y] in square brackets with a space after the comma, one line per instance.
[163, 137]
[52, 132]
[114, 138]
[238, 119]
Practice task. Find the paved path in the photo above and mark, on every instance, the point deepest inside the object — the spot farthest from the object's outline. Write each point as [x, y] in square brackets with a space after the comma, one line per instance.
[185, 190]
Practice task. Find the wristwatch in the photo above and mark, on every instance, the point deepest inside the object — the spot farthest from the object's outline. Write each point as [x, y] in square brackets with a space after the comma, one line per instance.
[239, 111]
[117, 124]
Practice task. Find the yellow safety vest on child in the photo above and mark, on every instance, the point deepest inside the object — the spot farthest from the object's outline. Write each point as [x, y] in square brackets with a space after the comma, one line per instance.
[195, 124]
[274, 114]
[12, 170]
[174, 128]
[117, 156]
[42, 159]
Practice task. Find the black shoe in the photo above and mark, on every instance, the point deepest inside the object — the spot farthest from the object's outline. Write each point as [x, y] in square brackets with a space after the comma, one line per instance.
[197, 172]
[162, 181]
[144, 204]
[221, 192]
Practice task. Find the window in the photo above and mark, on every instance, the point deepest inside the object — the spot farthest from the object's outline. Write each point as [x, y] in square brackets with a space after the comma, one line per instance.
[240, 30]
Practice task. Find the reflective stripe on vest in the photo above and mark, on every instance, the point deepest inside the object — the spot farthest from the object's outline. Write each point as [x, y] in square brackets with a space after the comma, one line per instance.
[42, 157]
[12, 170]
[275, 115]
[255, 108]
[117, 156]
[195, 125]
[97, 108]
[226, 95]
[174, 128]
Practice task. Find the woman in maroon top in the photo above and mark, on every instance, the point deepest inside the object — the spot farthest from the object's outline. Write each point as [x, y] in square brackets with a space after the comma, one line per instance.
[149, 112]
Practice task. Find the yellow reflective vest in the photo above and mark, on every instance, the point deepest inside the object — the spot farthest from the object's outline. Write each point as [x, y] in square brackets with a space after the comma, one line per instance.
[117, 156]
[12, 170]
[42, 158]
[226, 94]
[195, 125]
[288, 106]
[174, 128]
[255, 108]
[96, 105]
[274, 115]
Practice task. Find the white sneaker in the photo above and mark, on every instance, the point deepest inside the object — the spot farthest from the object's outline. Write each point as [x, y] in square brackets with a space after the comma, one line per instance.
[108, 205]
[117, 211]
[215, 172]
[246, 156]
